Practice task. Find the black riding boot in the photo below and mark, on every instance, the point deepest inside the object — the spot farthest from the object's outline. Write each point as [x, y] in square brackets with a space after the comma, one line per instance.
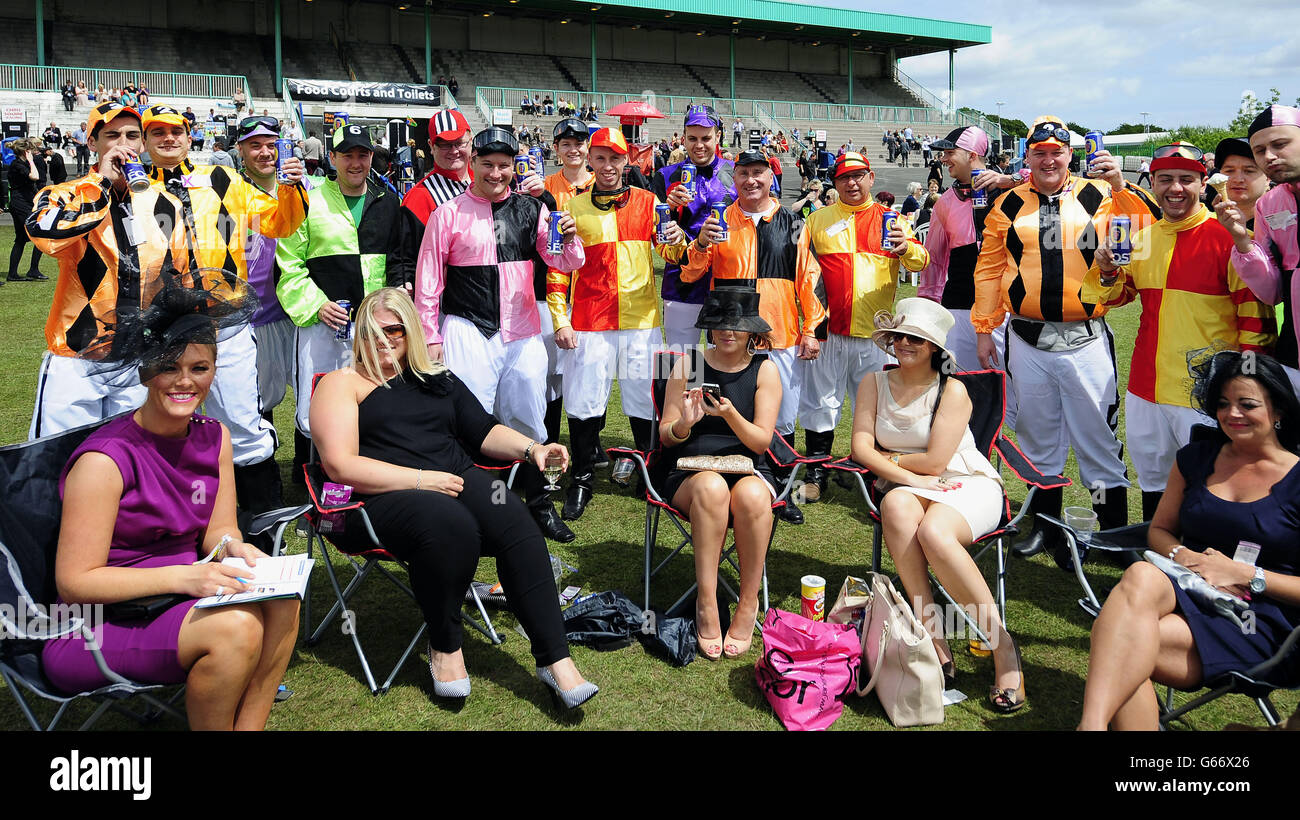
[301, 455]
[257, 490]
[816, 444]
[554, 412]
[539, 503]
[643, 438]
[1150, 500]
[599, 458]
[582, 441]
[790, 512]
[1044, 501]
[1113, 513]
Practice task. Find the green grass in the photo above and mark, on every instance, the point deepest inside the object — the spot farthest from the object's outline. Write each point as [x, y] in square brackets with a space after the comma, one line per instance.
[638, 691]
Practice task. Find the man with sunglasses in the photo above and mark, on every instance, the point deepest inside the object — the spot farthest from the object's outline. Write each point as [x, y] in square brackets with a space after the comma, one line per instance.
[475, 293]
[702, 139]
[1039, 241]
[610, 324]
[273, 330]
[352, 242]
[953, 242]
[113, 247]
[1192, 301]
[860, 276]
[220, 209]
[1269, 260]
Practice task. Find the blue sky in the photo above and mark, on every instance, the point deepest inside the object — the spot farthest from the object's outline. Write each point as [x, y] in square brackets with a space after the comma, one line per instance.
[1101, 62]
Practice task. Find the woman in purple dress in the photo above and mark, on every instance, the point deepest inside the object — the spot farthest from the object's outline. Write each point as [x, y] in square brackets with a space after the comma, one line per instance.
[144, 498]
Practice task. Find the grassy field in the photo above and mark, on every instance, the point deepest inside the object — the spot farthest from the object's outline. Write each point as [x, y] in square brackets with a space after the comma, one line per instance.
[639, 691]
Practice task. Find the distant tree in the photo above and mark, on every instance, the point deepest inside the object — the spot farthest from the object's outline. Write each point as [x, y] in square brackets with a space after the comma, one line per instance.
[1249, 109]
[1076, 128]
[1135, 128]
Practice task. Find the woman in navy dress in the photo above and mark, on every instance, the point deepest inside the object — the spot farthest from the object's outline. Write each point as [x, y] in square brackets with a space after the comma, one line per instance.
[1224, 495]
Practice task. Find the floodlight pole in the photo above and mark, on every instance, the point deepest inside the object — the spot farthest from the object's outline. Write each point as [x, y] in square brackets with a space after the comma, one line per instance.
[279, 61]
[850, 50]
[952, 80]
[40, 32]
[593, 55]
[731, 62]
[428, 48]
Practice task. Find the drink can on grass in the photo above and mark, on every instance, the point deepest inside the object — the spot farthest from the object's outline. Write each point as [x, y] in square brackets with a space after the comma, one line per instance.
[283, 151]
[555, 240]
[813, 595]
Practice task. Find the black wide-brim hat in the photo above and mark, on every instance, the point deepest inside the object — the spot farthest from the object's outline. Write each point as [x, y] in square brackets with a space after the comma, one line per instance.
[730, 308]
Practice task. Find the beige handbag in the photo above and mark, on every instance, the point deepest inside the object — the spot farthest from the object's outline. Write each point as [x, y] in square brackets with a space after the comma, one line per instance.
[900, 657]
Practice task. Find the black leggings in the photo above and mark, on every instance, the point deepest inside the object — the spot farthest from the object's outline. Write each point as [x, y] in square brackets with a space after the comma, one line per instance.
[20, 212]
[442, 538]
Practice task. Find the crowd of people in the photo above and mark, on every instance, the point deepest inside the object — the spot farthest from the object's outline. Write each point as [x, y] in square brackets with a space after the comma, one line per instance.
[481, 309]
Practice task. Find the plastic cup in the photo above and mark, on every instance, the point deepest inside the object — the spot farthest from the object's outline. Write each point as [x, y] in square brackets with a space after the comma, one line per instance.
[1083, 521]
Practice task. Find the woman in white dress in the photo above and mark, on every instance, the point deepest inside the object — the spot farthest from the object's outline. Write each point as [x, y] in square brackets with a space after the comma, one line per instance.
[911, 429]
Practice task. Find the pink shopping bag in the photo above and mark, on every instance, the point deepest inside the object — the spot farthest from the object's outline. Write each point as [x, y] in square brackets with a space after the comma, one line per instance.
[806, 667]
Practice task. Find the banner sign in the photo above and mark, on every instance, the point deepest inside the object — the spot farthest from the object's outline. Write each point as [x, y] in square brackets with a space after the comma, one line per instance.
[380, 93]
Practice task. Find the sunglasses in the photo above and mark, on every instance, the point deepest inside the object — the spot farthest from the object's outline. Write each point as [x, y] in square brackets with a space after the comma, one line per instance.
[250, 124]
[1050, 130]
[912, 340]
[394, 332]
[1185, 151]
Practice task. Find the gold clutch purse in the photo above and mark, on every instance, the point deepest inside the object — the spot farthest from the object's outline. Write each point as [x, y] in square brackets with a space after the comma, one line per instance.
[743, 465]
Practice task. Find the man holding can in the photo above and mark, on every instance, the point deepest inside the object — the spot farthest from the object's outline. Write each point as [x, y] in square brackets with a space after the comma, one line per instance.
[109, 260]
[352, 242]
[763, 253]
[1268, 261]
[859, 265]
[1193, 303]
[475, 295]
[611, 323]
[690, 187]
[1039, 240]
[953, 242]
[221, 208]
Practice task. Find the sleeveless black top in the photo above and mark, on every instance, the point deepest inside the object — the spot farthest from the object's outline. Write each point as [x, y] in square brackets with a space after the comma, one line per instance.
[429, 424]
[711, 435]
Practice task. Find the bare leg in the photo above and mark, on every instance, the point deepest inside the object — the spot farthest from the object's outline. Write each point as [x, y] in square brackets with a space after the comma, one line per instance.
[279, 634]
[1177, 664]
[901, 514]
[1127, 650]
[751, 517]
[221, 648]
[705, 499]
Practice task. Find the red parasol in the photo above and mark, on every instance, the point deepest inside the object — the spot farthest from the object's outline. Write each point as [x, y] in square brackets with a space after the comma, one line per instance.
[635, 112]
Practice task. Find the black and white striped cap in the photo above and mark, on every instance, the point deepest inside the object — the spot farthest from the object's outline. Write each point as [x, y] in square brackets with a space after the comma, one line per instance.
[448, 124]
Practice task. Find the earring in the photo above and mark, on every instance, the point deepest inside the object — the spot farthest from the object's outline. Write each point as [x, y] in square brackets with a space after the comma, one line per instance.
[1277, 425]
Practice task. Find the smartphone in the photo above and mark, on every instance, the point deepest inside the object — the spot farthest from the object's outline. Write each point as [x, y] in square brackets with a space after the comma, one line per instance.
[713, 391]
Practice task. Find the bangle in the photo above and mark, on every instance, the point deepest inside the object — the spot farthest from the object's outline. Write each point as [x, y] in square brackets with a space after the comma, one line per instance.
[221, 547]
[419, 478]
[1174, 552]
[894, 458]
[672, 434]
[528, 451]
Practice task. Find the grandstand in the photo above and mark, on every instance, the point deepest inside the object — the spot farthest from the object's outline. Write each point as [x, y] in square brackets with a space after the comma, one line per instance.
[777, 65]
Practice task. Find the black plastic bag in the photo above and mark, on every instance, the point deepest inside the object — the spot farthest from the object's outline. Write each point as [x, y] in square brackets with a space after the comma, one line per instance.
[609, 620]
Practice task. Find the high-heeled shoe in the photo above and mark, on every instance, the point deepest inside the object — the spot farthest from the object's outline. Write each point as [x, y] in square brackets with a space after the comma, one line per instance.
[568, 698]
[734, 647]
[1007, 701]
[949, 675]
[455, 689]
[710, 648]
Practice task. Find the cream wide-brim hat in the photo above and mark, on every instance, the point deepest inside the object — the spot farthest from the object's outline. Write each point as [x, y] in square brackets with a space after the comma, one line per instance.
[916, 317]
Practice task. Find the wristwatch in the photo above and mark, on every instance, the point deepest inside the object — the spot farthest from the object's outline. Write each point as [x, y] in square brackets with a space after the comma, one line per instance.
[1257, 583]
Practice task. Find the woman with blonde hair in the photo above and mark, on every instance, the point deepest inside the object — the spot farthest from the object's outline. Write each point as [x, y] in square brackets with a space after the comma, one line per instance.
[400, 429]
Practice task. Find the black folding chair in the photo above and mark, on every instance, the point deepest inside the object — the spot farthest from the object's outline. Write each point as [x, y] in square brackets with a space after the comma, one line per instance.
[364, 561]
[654, 470]
[987, 391]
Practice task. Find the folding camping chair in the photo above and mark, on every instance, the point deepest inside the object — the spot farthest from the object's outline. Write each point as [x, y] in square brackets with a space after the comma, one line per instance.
[30, 516]
[654, 470]
[987, 390]
[365, 561]
[1133, 539]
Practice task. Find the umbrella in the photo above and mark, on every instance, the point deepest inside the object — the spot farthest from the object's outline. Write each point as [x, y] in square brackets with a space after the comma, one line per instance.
[635, 112]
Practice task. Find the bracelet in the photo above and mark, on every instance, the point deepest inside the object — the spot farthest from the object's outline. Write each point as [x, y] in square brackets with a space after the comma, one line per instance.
[672, 434]
[894, 458]
[221, 546]
[1173, 552]
[419, 479]
[528, 451]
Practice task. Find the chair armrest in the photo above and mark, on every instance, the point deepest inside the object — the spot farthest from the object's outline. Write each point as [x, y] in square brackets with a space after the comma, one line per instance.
[1024, 468]
[642, 462]
[265, 521]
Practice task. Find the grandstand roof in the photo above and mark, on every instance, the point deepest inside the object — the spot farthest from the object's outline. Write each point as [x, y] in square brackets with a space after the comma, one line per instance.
[909, 36]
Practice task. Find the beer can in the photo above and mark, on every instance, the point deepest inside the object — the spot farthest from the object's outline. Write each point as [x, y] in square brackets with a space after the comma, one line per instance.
[979, 197]
[136, 178]
[555, 241]
[539, 159]
[688, 179]
[720, 211]
[663, 218]
[523, 166]
[345, 332]
[1093, 142]
[886, 222]
[978, 648]
[1121, 240]
[283, 151]
[813, 594]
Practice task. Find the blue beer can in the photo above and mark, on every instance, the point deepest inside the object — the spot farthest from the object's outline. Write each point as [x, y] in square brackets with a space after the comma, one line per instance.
[1093, 142]
[539, 159]
[688, 179]
[283, 151]
[979, 196]
[1121, 240]
[523, 166]
[720, 211]
[555, 240]
[887, 222]
[136, 178]
[663, 217]
[344, 333]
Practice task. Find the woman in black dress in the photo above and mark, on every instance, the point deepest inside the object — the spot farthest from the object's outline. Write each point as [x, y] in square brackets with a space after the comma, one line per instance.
[740, 420]
[27, 175]
[395, 426]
